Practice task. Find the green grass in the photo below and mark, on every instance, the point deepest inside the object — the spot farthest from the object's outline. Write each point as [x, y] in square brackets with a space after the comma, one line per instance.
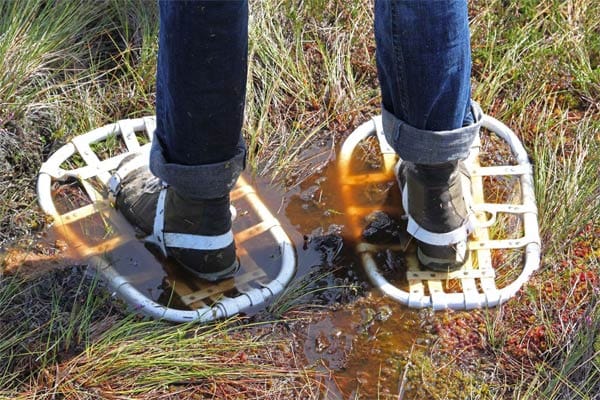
[145, 359]
[63, 335]
[308, 74]
[47, 318]
[566, 167]
[67, 67]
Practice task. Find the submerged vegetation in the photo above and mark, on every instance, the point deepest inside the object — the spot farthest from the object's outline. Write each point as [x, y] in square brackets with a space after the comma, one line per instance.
[67, 67]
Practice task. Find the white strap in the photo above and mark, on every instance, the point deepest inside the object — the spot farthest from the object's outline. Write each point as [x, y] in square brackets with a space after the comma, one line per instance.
[198, 242]
[458, 235]
[439, 239]
[183, 240]
[157, 236]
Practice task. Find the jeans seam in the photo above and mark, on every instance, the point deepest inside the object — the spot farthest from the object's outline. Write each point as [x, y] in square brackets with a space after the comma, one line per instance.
[398, 59]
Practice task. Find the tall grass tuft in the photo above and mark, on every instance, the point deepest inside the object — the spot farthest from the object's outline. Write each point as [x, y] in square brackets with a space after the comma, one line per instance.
[566, 167]
[65, 68]
[48, 318]
[139, 359]
[311, 75]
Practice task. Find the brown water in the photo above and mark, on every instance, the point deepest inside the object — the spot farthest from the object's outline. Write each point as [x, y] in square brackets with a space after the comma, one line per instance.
[361, 345]
[363, 340]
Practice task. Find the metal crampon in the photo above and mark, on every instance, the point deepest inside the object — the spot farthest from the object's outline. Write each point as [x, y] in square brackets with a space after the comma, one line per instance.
[504, 247]
[90, 159]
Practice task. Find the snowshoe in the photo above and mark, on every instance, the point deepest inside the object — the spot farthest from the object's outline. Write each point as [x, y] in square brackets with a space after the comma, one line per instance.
[504, 245]
[73, 188]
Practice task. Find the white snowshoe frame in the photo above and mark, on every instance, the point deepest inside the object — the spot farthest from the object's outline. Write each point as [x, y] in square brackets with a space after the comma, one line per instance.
[477, 282]
[101, 170]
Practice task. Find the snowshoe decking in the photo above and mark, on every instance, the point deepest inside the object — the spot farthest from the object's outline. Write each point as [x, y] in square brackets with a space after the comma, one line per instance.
[484, 280]
[266, 254]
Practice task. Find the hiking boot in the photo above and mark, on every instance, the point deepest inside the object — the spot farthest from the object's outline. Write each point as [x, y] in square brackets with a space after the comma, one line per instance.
[196, 233]
[437, 211]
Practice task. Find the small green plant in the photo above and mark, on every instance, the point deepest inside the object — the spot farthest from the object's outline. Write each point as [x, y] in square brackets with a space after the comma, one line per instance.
[301, 293]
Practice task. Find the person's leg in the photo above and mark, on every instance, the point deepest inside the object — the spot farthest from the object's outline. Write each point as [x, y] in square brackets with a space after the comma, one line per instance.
[424, 66]
[198, 151]
[200, 95]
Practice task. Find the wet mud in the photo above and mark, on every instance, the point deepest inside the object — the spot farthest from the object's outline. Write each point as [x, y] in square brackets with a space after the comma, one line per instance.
[359, 339]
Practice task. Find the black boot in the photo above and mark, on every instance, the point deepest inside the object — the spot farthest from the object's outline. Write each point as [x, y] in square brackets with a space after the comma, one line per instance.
[436, 204]
[197, 233]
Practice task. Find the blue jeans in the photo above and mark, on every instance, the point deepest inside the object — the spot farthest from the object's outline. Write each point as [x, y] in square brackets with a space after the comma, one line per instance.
[424, 68]
[200, 94]
[423, 62]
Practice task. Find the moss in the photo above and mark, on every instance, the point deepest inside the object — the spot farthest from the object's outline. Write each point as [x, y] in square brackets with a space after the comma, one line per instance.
[426, 378]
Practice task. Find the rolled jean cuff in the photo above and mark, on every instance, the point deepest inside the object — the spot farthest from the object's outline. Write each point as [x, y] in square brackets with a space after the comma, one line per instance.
[422, 146]
[199, 182]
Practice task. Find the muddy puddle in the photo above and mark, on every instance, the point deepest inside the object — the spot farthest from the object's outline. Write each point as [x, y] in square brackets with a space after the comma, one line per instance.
[360, 345]
[364, 346]
[360, 340]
